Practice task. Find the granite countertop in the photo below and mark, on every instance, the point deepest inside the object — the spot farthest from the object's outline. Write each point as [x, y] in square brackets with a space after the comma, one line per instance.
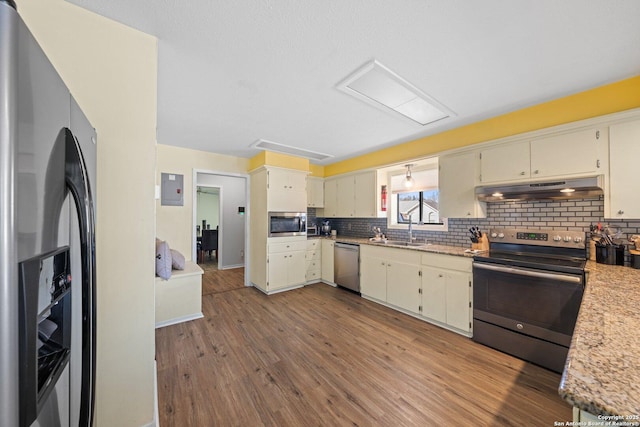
[602, 372]
[438, 249]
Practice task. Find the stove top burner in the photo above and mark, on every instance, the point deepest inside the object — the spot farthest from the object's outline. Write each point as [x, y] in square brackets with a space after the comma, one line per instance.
[564, 265]
[537, 249]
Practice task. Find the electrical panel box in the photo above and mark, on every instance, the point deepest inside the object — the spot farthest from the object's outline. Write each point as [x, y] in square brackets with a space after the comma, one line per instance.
[172, 192]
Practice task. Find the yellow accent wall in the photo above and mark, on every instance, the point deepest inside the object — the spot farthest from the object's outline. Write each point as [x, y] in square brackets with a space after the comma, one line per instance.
[316, 170]
[269, 158]
[111, 71]
[611, 98]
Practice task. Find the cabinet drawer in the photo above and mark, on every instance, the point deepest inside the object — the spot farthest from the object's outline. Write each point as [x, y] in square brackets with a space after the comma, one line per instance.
[287, 246]
[313, 275]
[450, 262]
[313, 255]
[313, 244]
[312, 265]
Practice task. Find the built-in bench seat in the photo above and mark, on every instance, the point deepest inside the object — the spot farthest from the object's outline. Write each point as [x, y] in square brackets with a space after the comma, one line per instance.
[179, 299]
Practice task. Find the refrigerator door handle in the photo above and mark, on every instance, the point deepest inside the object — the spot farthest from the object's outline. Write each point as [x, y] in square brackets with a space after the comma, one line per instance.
[78, 184]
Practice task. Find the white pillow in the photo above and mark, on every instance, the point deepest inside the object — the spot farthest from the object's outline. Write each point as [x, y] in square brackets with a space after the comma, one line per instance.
[163, 259]
[177, 260]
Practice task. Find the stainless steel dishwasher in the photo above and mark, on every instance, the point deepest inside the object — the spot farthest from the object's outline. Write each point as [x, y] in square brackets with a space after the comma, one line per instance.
[346, 266]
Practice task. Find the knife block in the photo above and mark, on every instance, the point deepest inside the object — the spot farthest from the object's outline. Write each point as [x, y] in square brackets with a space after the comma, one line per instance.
[482, 245]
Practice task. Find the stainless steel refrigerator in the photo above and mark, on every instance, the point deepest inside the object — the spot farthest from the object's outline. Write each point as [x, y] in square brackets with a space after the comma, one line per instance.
[47, 245]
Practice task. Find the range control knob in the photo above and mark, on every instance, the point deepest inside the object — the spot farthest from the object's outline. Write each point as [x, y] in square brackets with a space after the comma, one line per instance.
[501, 235]
[557, 238]
[494, 235]
[577, 239]
[567, 238]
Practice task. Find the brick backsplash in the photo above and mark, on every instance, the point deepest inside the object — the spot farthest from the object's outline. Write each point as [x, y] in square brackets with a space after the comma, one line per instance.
[574, 215]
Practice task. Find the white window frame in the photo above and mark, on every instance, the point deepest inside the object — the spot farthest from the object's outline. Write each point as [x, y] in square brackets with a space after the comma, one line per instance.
[392, 208]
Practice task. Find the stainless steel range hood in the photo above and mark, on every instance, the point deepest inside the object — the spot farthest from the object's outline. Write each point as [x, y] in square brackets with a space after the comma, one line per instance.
[575, 188]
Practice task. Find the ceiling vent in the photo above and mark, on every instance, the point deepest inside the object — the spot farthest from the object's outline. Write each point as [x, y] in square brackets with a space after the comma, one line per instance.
[263, 144]
[377, 85]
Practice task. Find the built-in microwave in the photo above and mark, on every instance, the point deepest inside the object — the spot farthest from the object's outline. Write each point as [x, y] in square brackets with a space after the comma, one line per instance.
[287, 224]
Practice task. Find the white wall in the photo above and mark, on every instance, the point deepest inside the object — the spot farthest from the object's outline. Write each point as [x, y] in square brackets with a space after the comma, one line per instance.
[233, 194]
[111, 71]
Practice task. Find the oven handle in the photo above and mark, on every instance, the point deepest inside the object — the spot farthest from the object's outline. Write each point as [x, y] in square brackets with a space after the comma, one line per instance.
[529, 273]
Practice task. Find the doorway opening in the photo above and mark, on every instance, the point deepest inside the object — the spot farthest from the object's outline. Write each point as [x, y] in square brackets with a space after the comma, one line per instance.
[208, 219]
[221, 201]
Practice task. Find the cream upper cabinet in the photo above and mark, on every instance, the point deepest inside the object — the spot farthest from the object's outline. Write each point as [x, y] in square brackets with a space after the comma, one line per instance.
[458, 177]
[286, 190]
[506, 162]
[315, 192]
[330, 198]
[351, 196]
[577, 153]
[624, 153]
[365, 195]
[327, 260]
[346, 197]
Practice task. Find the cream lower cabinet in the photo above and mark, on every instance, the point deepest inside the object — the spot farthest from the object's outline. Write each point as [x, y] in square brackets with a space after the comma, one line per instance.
[403, 282]
[429, 286]
[286, 265]
[373, 275]
[313, 259]
[446, 291]
[391, 276]
[326, 270]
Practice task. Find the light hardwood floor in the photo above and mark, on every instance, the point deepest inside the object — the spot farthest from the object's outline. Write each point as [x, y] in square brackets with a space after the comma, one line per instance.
[321, 356]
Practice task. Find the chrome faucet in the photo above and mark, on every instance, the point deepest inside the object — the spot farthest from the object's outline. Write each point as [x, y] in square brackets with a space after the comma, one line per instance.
[410, 230]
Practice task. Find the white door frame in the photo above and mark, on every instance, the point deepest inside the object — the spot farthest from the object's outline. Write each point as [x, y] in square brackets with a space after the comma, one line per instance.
[247, 220]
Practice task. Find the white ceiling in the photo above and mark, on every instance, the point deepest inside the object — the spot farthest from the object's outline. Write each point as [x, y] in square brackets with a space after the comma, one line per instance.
[232, 72]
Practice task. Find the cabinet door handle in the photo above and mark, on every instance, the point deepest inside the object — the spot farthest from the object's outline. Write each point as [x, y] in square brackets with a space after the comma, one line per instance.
[439, 275]
[536, 172]
[620, 212]
[522, 173]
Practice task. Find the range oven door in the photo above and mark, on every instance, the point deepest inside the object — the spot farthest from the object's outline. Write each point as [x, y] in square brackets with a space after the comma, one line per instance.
[526, 312]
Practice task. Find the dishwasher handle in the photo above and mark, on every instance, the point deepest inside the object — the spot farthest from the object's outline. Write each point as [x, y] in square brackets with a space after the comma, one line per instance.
[348, 246]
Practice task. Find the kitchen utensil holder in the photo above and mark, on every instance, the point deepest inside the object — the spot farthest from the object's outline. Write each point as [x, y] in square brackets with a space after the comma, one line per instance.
[482, 245]
[635, 258]
[610, 254]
